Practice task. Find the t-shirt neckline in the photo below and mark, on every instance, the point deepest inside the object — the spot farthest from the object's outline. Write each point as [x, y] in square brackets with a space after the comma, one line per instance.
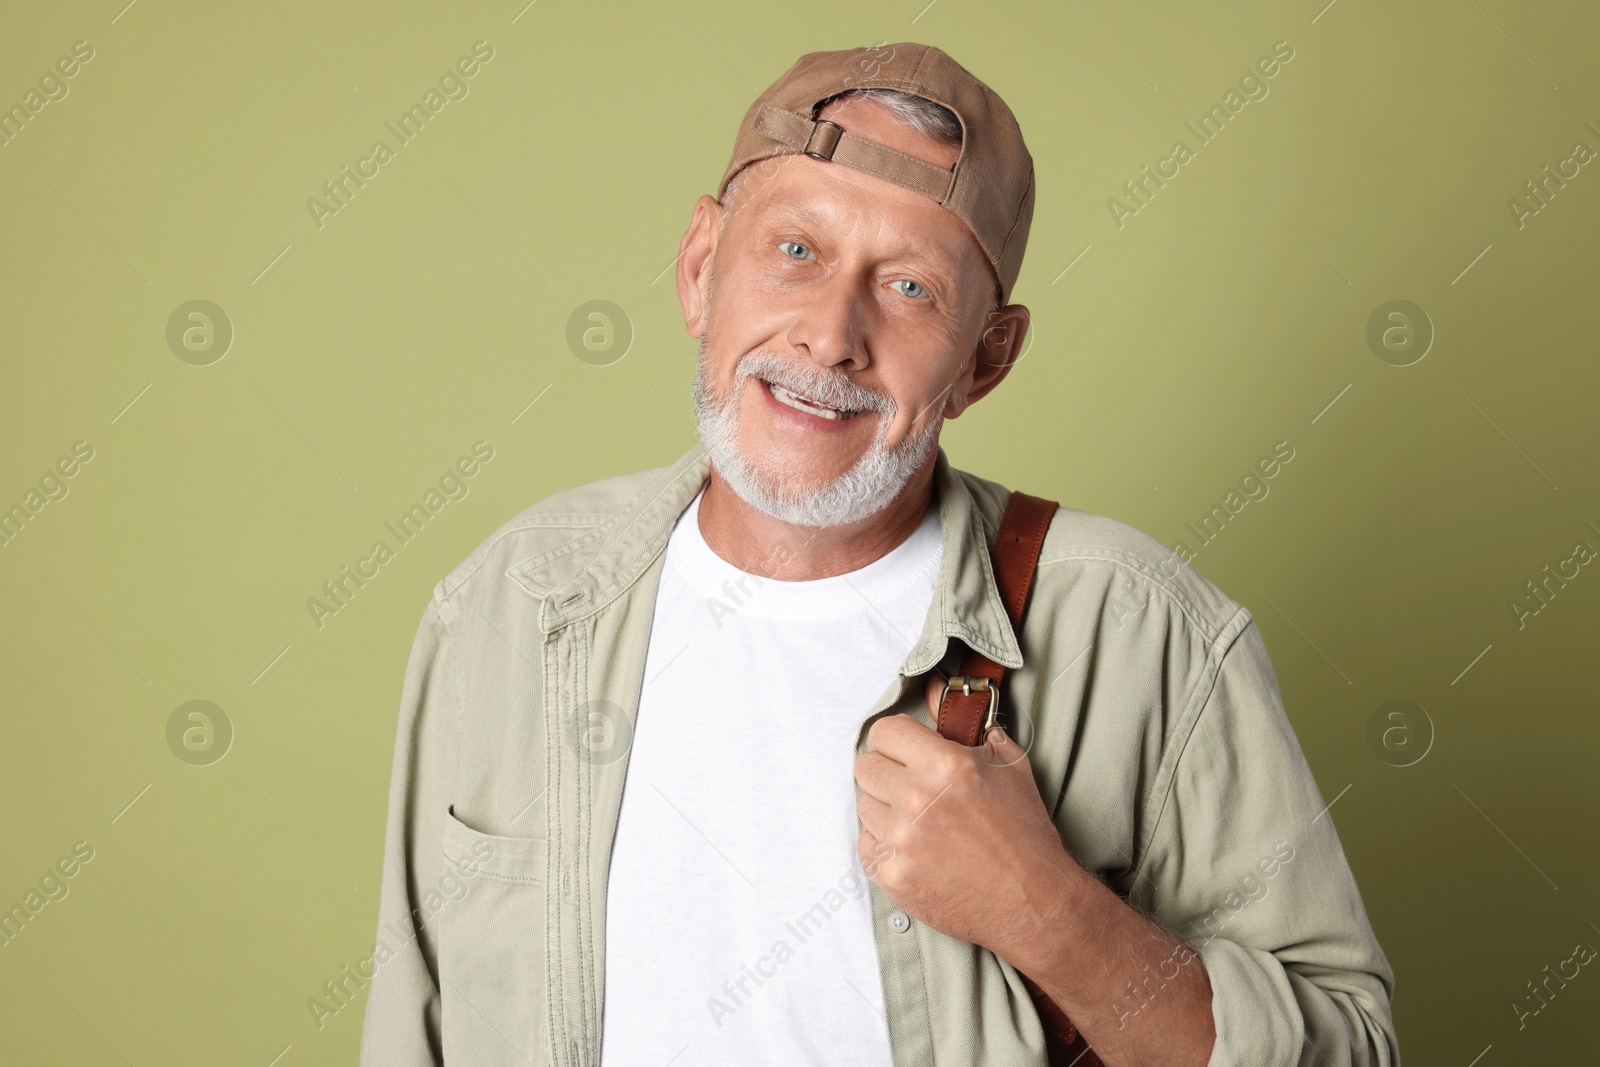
[764, 592]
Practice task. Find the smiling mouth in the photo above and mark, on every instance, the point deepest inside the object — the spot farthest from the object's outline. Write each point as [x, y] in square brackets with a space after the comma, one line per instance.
[810, 407]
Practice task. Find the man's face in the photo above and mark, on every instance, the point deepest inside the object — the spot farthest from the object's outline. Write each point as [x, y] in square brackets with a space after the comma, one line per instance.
[840, 323]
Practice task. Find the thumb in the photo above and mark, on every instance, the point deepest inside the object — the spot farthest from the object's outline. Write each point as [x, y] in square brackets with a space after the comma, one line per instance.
[1001, 749]
[935, 686]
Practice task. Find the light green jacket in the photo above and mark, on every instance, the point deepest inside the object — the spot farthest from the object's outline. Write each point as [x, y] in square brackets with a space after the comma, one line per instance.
[1155, 731]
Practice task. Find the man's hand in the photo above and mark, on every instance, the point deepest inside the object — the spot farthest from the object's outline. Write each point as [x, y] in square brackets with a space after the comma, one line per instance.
[958, 836]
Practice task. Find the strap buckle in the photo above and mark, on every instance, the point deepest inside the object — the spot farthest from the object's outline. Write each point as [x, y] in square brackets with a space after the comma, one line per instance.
[821, 143]
[969, 684]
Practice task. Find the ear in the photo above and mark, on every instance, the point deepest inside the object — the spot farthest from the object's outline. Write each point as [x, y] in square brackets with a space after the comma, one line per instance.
[998, 349]
[696, 251]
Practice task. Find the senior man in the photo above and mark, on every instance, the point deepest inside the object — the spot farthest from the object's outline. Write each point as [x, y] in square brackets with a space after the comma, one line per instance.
[668, 787]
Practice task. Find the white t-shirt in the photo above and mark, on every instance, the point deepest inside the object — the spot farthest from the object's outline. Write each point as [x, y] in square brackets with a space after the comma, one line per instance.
[738, 929]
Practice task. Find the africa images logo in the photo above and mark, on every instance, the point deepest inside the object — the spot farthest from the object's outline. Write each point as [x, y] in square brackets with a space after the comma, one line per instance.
[454, 485]
[1253, 85]
[453, 85]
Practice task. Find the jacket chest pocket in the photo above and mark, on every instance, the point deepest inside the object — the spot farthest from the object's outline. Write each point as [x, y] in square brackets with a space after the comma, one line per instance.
[492, 950]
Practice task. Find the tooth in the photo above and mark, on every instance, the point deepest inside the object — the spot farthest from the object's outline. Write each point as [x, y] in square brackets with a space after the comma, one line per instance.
[803, 403]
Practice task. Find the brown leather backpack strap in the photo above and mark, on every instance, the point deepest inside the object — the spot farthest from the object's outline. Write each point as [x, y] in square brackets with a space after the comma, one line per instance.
[971, 703]
[1015, 555]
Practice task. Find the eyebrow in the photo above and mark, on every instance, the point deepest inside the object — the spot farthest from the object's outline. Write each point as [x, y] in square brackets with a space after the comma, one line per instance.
[799, 210]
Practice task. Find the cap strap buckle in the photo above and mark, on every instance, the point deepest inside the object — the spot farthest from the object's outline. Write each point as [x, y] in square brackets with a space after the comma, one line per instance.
[822, 142]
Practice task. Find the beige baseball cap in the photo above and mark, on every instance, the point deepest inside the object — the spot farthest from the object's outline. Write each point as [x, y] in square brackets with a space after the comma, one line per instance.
[990, 188]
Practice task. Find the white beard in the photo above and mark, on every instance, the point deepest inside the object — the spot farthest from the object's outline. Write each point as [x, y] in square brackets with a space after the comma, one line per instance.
[775, 484]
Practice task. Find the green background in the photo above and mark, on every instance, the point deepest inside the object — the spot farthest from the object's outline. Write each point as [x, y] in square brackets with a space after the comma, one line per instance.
[369, 354]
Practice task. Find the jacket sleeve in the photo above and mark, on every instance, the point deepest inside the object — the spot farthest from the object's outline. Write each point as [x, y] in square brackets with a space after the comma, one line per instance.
[402, 1024]
[1245, 865]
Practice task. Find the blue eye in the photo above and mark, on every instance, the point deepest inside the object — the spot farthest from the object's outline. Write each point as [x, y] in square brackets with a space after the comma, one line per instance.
[795, 244]
[921, 292]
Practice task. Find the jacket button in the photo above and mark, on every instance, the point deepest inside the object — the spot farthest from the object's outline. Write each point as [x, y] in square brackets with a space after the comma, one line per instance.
[899, 922]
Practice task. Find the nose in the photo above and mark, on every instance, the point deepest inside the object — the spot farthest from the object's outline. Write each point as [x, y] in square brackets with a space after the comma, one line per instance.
[831, 320]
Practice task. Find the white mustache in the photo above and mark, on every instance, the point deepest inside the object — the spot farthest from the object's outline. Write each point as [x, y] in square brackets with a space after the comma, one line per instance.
[832, 391]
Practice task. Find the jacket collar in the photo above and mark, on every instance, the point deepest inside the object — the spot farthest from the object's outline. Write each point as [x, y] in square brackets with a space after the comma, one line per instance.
[966, 602]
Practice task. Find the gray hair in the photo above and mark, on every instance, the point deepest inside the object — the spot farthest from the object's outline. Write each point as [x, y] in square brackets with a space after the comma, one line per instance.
[921, 114]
